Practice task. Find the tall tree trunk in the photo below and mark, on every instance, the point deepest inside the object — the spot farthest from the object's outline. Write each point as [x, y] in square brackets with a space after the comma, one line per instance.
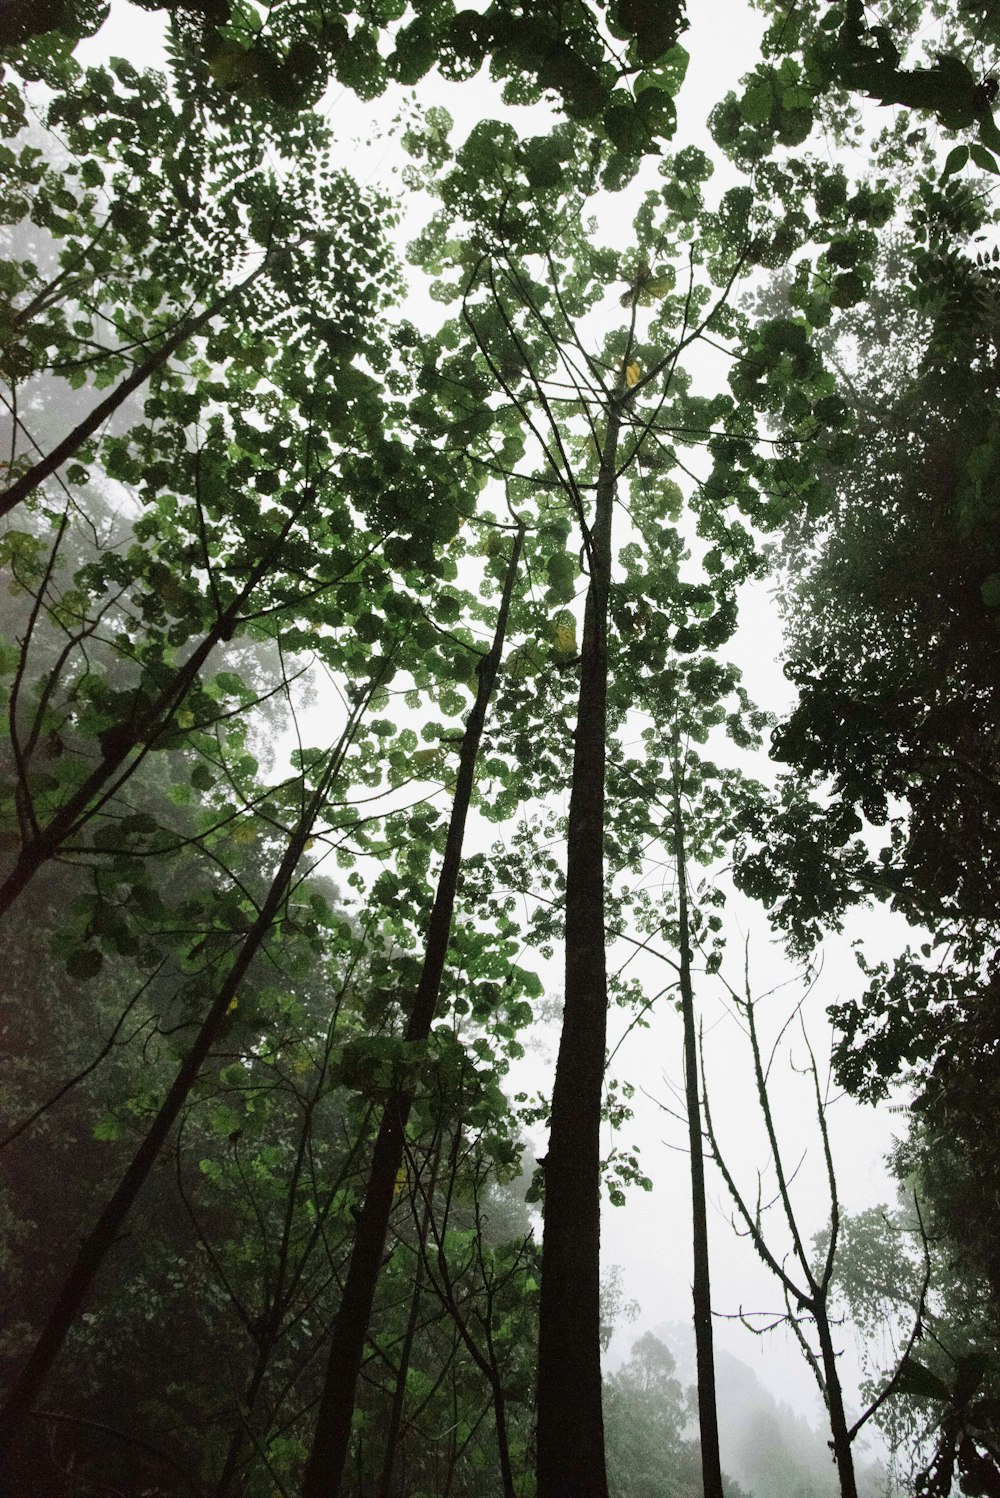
[64, 450]
[708, 1418]
[237, 1441]
[325, 1467]
[399, 1392]
[570, 1418]
[103, 1236]
[406, 1352]
[485, 1360]
[833, 1393]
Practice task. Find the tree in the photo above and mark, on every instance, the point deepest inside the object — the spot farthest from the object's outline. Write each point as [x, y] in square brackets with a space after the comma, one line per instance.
[310, 472]
[523, 321]
[889, 596]
[646, 1416]
[807, 1282]
[102, 1237]
[167, 711]
[333, 1425]
[889, 794]
[936, 1412]
[582, 55]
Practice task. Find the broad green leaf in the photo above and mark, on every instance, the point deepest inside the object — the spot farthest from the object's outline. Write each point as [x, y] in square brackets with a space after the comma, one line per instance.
[84, 963]
[757, 103]
[984, 159]
[918, 1380]
[955, 161]
[991, 590]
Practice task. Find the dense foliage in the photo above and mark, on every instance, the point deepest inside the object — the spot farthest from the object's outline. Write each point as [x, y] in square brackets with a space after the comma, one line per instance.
[357, 663]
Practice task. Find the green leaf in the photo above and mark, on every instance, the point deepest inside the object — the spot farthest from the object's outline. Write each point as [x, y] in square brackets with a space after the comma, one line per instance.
[657, 112]
[917, 1380]
[232, 65]
[991, 590]
[84, 963]
[563, 572]
[625, 128]
[224, 1120]
[668, 72]
[794, 126]
[368, 627]
[543, 162]
[757, 103]
[416, 52]
[955, 161]
[989, 133]
[796, 97]
[984, 159]
[655, 25]
[848, 290]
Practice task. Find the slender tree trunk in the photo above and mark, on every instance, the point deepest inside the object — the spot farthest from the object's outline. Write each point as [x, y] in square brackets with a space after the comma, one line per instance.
[103, 1236]
[834, 1395]
[503, 1442]
[708, 1418]
[29, 482]
[399, 1392]
[237, 1443]
[325, 1467]
[406, 1352]
[811, 1296]
[570, 1419]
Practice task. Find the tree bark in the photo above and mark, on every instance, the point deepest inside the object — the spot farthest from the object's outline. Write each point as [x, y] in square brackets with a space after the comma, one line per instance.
[708, 1418]
[570, 1449]
[399, 1392]
[331, 1440]
[833, 1393]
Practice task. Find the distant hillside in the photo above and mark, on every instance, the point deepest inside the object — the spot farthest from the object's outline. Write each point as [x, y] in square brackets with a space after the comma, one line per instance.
[770, 1450]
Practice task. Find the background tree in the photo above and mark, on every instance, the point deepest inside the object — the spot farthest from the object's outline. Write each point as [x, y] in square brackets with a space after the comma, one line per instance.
[648, 1453]
[807, 1281]
[896, 1272]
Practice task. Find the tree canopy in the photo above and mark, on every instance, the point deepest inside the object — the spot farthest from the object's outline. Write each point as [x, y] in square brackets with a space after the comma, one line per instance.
[366, 645]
